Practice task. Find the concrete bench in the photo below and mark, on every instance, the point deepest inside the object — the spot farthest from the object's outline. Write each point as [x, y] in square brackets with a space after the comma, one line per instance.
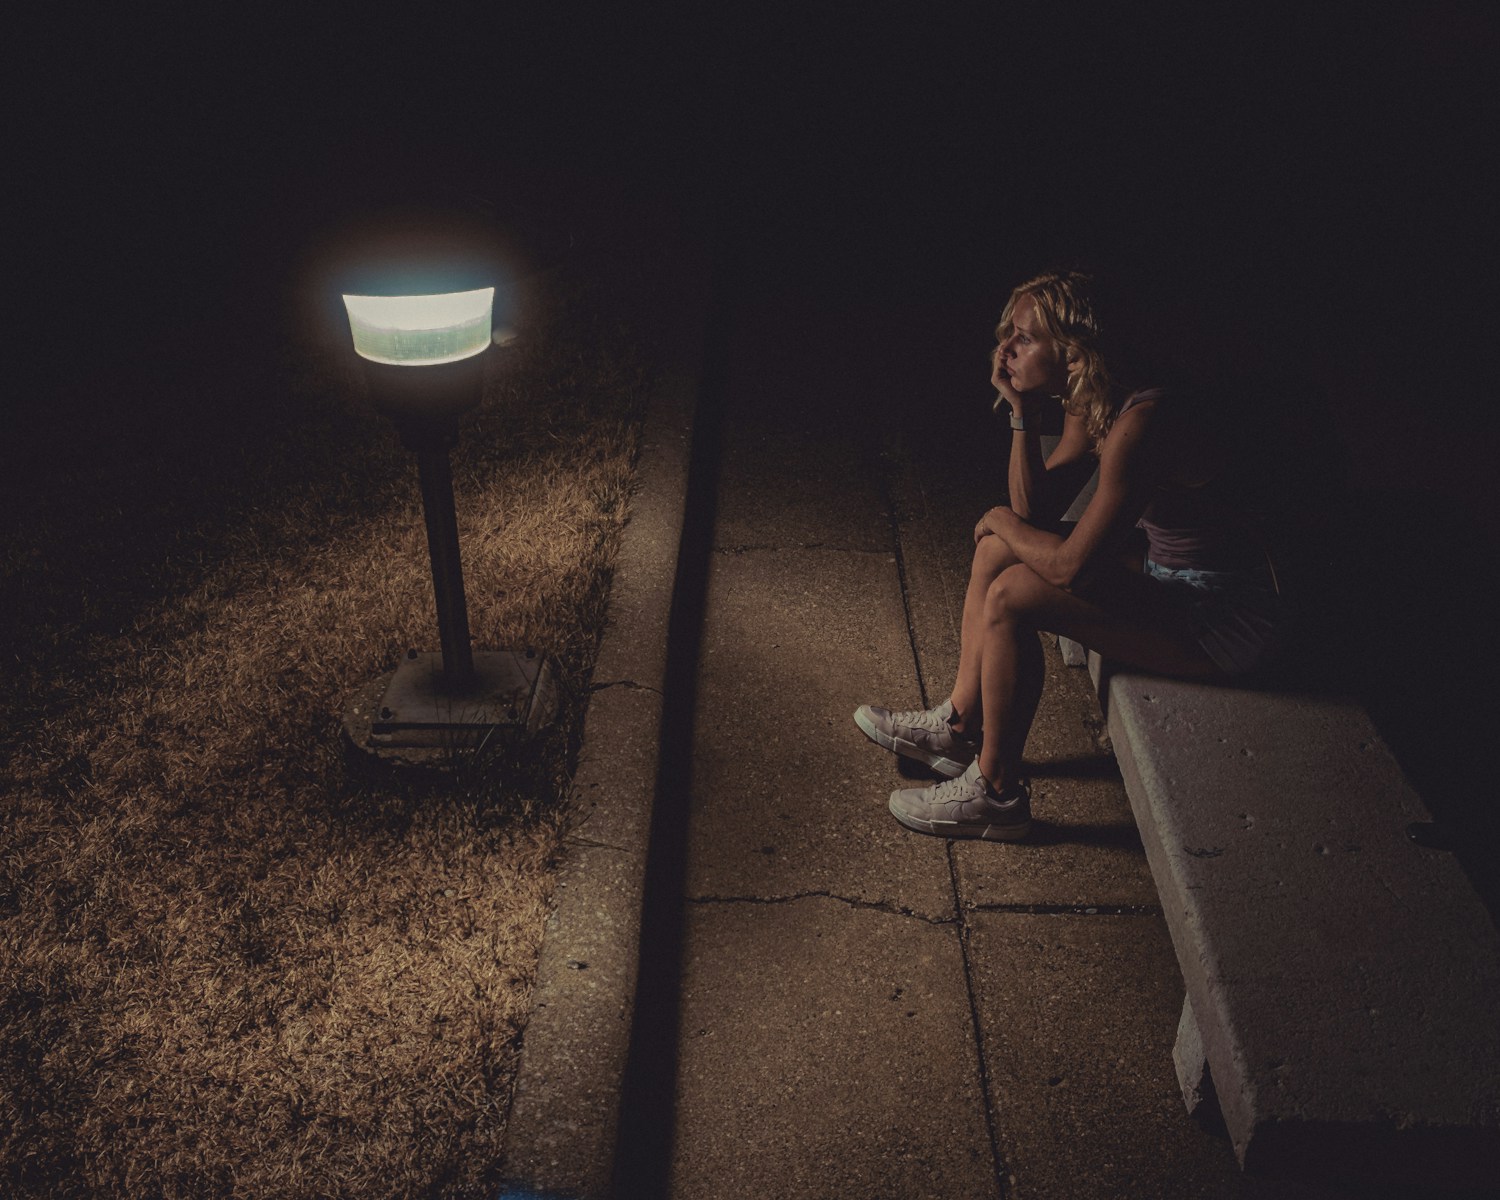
[1342, 978]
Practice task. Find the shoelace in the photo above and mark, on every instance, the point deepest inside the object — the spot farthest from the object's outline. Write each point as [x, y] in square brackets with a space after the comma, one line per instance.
[1021, 788]
[926, 718]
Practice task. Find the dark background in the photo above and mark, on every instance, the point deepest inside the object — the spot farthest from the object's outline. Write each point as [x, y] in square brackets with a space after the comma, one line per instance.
[1331, 169]
[1306, 191]
[1300, 195]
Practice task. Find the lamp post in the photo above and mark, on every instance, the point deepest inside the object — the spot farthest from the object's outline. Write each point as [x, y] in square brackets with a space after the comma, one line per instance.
[422, 347]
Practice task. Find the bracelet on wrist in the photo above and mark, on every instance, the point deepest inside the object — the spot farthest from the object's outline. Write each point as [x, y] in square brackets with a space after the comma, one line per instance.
[1017, 423]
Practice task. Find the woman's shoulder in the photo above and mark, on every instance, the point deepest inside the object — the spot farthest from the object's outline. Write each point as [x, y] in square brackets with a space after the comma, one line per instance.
[1146, 395]
[1143, 409]
[1190, 442]
[1149, 422]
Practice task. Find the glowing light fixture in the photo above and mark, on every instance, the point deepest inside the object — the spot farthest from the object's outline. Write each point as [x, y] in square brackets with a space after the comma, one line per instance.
[421, 331]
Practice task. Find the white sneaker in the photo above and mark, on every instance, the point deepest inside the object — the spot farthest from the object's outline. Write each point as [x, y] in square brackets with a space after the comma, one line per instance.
[966, 807]
[924, 735]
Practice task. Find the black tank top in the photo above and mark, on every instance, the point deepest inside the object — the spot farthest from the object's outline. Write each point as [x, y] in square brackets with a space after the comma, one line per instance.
[1200, 527]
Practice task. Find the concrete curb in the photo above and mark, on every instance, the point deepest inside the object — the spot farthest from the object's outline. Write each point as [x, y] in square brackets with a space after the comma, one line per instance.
[564, 1116]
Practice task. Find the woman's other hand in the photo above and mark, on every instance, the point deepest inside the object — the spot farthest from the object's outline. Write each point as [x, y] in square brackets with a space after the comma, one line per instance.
[990, 523]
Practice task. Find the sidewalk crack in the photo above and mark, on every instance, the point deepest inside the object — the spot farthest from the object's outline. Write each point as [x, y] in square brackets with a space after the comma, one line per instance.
[1070, 910]
[885, 906]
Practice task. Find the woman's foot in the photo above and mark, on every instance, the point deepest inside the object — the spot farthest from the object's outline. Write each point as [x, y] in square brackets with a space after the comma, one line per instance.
[966, 807]
[924, 735]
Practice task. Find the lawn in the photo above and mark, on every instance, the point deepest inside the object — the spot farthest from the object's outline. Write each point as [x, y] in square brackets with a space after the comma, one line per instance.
[233, 961]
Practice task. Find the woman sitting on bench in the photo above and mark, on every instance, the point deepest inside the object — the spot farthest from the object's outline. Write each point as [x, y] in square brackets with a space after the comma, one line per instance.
[1203, 608]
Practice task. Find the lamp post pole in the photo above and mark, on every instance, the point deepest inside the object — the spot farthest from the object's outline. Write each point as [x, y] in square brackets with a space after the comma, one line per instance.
[436, 475]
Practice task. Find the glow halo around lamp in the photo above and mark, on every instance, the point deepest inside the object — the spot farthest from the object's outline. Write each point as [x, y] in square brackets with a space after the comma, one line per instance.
[423, 330]
[423, 310]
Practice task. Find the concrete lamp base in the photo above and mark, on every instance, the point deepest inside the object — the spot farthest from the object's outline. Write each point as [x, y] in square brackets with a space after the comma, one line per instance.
[414, 716]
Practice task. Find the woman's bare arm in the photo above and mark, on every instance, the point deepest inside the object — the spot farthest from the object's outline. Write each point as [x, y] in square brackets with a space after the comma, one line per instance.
[1129, 464]
[1039, 491]
[1037, 488]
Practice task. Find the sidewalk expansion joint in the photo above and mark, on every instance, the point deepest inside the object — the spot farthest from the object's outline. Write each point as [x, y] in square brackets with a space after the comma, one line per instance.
[1070, 910]
[885, 906]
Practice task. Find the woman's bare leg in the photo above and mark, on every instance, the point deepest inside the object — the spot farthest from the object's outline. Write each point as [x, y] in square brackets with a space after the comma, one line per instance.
[991, 556]
[1013, 670]
[1126, 617]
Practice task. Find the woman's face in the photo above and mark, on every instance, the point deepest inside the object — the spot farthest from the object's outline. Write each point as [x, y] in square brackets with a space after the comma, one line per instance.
[1029, 360]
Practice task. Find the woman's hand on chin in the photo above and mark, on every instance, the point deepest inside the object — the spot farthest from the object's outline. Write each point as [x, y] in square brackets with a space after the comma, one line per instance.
[1008, 393]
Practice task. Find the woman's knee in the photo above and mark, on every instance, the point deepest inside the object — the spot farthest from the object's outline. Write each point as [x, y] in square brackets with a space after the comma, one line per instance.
[1012, 595]
[992, 555]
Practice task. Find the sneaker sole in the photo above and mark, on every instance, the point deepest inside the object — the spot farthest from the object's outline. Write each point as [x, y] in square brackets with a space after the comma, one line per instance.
[953, 829]
[948, 767]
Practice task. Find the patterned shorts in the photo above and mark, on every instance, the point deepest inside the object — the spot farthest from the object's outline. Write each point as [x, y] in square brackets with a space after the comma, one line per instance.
[1236, 618]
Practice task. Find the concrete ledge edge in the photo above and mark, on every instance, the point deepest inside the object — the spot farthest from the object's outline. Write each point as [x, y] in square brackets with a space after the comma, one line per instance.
[564, 1109]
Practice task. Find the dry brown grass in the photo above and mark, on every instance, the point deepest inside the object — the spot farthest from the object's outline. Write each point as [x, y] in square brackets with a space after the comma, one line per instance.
[231, 963]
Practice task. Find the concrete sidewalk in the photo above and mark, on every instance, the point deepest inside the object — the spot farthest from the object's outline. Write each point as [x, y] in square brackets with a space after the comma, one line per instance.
[861, 1011]
[824, 1004]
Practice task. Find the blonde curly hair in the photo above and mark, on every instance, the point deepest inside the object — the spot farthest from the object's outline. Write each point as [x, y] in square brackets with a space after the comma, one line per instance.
[1065, 306]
